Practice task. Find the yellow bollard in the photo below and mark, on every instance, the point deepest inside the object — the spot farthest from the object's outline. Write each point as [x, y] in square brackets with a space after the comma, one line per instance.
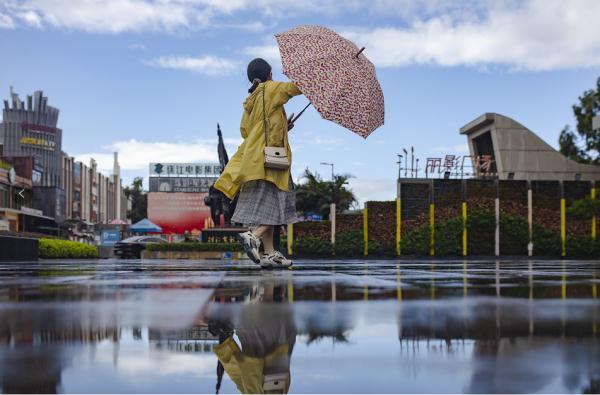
[464, 225]
[290, 238]
[398, 226]
[366, 229]
[563, 226]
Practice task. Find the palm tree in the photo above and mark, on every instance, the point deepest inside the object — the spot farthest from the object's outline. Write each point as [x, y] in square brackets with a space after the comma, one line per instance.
[314, 195]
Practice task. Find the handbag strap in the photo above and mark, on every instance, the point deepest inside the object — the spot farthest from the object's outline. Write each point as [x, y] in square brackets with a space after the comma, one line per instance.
[265, 115]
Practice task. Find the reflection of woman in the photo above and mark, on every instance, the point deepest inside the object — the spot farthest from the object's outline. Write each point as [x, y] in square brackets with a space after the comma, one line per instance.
[261, 363]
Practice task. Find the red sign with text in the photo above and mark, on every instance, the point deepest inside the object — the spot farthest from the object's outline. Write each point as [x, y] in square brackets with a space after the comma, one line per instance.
[178, 212]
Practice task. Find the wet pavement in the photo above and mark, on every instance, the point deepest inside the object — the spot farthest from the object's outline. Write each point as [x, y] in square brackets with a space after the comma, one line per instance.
[325, 326]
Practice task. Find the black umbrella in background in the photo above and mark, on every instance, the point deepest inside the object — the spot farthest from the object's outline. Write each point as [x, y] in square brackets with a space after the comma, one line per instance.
[223, 157]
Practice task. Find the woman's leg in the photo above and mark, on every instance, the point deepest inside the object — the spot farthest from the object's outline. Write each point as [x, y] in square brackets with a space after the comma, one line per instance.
[260, 230]
[267, 240]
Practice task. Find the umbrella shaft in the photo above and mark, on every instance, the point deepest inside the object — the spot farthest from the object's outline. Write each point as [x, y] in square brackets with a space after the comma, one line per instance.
[300, 113]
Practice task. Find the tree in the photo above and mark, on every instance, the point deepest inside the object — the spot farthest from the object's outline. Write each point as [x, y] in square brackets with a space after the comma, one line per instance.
[139, 200]
[584, 135]
[314, 194]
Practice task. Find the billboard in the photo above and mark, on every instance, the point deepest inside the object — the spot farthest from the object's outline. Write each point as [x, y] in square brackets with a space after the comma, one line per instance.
[181, 184]
[177, 212]
[209, 169]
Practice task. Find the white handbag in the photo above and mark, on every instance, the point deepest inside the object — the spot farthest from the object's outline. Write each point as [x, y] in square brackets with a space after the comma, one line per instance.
[275, 157]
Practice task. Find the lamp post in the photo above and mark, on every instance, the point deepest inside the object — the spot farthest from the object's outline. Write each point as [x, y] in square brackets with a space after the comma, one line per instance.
[332, 207]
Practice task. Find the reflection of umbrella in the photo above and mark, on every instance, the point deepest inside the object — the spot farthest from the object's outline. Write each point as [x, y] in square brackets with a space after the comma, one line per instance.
[117, 222]
[334, 75]
[145, 226]
[223, 158]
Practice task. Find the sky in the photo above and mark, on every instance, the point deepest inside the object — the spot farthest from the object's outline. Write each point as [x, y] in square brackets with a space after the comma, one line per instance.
[151, 79]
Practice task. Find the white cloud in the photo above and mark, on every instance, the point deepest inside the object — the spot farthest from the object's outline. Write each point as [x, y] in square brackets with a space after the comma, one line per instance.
[138, 47]
[366, 189]
[6, 22]
[269, 52]
[137, 155]
[115, 16]
[207, 64]
[533, 35]
[31, 19]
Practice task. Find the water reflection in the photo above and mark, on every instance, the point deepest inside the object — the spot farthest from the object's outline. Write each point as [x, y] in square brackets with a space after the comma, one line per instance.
[266, 333]
[495, 326]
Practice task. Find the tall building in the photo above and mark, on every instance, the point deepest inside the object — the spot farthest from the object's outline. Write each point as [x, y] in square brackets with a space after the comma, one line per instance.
[59, 188]
[30, 129]
[93, 197]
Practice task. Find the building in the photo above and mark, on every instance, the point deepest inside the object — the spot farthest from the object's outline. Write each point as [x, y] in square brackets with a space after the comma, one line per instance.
[55, 186]
[176, 195]
[29, 130]
[515, 152]
[93, 197]
[596, 123]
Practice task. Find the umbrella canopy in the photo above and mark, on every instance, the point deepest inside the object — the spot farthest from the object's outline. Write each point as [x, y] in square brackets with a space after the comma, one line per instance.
[117, 222]
[145, 226]
[334, 75]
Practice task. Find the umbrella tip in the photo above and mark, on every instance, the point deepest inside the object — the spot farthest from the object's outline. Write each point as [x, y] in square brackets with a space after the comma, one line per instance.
[359, 52]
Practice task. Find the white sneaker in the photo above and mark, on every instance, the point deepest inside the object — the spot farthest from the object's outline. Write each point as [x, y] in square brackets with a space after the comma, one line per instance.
[276, 259]
[251, 245]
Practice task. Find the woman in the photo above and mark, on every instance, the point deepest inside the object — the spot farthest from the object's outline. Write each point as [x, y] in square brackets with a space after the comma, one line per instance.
[266, 195]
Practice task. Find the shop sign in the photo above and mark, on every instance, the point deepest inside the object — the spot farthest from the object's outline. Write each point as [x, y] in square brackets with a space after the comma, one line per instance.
[185, 169]
[45, 144]
[181, 184]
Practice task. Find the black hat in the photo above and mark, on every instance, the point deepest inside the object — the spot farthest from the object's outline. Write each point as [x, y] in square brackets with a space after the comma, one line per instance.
[258, 68]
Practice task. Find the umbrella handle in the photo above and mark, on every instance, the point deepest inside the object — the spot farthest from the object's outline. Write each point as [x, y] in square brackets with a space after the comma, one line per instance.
[300, 113]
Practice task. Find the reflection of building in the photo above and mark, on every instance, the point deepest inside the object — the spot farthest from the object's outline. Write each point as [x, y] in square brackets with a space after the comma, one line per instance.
[194, 339]
[518, 153]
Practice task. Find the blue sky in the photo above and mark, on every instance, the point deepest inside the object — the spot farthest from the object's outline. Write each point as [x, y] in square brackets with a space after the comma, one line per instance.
[151, 79]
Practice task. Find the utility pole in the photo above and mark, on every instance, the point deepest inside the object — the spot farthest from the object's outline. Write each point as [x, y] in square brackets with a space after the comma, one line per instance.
[332, 206]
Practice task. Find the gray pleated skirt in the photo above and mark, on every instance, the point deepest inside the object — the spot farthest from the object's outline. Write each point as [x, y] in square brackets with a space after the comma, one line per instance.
[260, 202]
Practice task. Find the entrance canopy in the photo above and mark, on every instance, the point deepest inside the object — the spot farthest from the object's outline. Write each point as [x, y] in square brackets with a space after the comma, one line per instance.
[145, 226]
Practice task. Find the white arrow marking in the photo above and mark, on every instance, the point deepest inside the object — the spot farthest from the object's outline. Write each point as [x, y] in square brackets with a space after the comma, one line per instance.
[21, 193]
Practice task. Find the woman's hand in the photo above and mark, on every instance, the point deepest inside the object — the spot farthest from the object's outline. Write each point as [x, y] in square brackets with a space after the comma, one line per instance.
[290, 123]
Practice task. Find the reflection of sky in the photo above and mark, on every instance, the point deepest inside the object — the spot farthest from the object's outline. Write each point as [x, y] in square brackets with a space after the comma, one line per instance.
[372, 360]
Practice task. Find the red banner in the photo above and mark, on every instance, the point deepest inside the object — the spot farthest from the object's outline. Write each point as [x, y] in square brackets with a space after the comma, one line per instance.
[178, 212]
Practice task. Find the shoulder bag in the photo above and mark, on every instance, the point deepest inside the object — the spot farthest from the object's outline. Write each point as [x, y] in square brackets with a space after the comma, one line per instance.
[275, 157]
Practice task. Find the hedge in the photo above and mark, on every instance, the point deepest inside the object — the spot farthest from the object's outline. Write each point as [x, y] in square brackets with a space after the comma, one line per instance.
[64, 249]
[220, 247]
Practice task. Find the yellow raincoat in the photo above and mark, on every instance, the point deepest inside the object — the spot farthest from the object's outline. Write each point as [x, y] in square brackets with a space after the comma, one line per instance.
[247, 163]
[248, 372]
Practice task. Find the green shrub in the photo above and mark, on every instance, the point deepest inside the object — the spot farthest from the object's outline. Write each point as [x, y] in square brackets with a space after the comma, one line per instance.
[581, 247]
[312, 246]
[584, 208]
[416, 242]
[514, 235]
[481, 226]
[545, 241]
[350, 243]
[64, 249]
[448, 237]
[183, 246]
